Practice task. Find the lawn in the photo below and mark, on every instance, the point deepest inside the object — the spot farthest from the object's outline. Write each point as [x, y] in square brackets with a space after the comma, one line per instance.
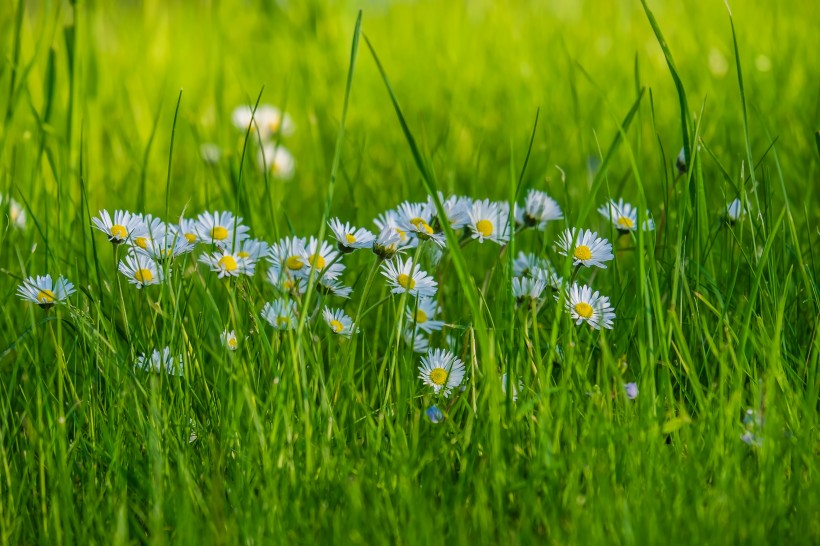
[414, 272]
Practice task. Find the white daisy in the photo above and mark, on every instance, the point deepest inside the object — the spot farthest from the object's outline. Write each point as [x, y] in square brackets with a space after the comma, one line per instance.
[735, 211]
[221, 229]
[442, 370]
[456, 210]
[277, 160]
[187, 229]
[285, 282]
[140, 270]
[333, 287]
[160, 362]
[280, 313]
[391, 220]
[516, 388]
[269, 120]
[166, 246]
[525, 264]
[228, 264]
[323, 259]
[288, 255]
[548, 275]
[388, 243]
[16, 212]
[539, 208]
[528, 289]
[338, 322]
[490, 221]
[415, 218]
[584, 305]
[123, 227]
[230, 340]
[252, 249]
[421, 315]
[624, 216]
[153, 228]
[404, 276]
[43, 292]
[350, 238]
[417, 339]
[586, 248]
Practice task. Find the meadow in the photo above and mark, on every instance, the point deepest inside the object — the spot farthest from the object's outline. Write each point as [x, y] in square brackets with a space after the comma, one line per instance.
[319, 272]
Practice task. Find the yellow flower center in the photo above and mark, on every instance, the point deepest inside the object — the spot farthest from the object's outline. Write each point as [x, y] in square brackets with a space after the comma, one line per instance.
[582, 252]
[243, 254]
[336, 326]
[219, 233]
[402, 235]
[282, 321]
[484, 227]
[46, 296]
[232, 342]
[625, 222]
[143, 275]
[422, 226]
[14, 212]
[317, 261]
[406, 281]
[350, 239]
[583, 309]
[421, 316]
[141, 242]
[294, 262]
[227, 263]
[190, 237]
[273, 125]
[439, 376]
[119, 232]
[288, 284]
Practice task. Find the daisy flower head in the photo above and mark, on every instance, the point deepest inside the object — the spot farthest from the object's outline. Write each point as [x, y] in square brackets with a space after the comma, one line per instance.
[528, 290]
[286, 283]
[277, 160]
[548, 275]
[163, 242]
[406, 277]
[349, 238]
[338, 322]
[153, 228]
[489, 221]
[160, 362]
[584, 305]
[392, 220]
[123, 227]
[268, 120]
[187, 228]
[222, 229]
[322, 258]
[421, 315]
[525, 263]
[434, 414]
[516, 388]
[228, 264]
[388, 244]
[140, 270]
[44, 292]
[624, 216]
[417, 340]
[735, 211]
[16, 212]
[441, 370]
[455, 208]
[539, 208]
[585, 247]
[230, 340]
[333, 287]
[416, 218]
[287, 256]
[252, 249]
[280, 313]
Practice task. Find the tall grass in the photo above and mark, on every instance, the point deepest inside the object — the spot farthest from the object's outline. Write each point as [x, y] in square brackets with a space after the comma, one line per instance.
[303, 437]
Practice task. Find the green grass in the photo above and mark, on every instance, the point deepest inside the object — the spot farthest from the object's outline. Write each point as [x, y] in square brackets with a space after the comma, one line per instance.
[305, 438]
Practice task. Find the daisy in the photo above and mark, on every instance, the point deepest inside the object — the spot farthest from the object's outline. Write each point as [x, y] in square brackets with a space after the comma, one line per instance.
[590, 307]
[45, 293]
[140, 270]
[525, 263]
[154, 228]
[442, 370]
[228, 264]
[624, 216]
[539, 208]
[404, 276]
[586, 248]
[229, 340]
[277, 160]
[548, 275]
[349, 238]
[434, 414]
[123, 227]
[160, 361]
[527, 289]
[269, 120]
[323, 259]
[338, 322]
[490, 221]
[422, 315]
[516, 388]
[285, 282]
[333, 287]
[252, 249]
[417, 339]
[391, 220]
[187, 229]
[455, 208]
[288, 256]
[166, 246]
[735, 211]
[16, 212]
[388, 244]
[221, 229]
[416, 218]
[281, 314]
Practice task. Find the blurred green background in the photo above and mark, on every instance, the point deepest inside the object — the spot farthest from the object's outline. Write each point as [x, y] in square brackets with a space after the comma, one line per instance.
[470, 77]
